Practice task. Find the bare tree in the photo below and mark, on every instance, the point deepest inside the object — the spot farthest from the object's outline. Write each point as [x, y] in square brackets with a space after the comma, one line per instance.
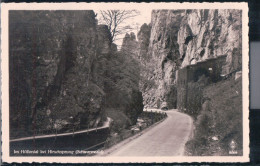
[116, 21]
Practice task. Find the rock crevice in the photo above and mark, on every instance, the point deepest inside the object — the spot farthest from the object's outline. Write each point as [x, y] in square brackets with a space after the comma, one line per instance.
[179, 38]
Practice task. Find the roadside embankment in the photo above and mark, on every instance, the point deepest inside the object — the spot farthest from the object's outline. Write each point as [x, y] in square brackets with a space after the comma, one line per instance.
[219, 123]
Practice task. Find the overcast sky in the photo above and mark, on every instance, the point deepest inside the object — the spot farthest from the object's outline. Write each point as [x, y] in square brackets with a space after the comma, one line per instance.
[136, 22]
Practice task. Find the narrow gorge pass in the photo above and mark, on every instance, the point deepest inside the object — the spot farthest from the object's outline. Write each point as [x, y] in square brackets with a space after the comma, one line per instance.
[125, 82]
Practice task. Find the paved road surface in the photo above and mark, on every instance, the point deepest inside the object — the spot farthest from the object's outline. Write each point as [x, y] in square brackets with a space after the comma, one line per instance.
[166, 139]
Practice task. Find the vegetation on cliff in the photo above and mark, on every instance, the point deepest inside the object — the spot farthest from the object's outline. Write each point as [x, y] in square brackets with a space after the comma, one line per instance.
[64, 72]
[219, 121]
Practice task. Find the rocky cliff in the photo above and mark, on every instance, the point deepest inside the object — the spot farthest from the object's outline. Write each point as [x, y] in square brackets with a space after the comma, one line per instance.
[59, 72]
[179, 38]
[206, 34]
[54, 69]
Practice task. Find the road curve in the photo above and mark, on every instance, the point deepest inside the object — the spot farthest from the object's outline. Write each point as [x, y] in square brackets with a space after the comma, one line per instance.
[166, 139]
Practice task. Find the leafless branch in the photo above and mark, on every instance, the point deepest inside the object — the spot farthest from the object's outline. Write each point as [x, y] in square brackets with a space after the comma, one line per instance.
[115, 20]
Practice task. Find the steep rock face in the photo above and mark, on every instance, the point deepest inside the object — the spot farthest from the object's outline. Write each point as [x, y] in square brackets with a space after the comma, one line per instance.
[143, 42]
[104, 39]
[179, 38]
[163, 57]
[129, 45]
[207, 34]
[55, 70]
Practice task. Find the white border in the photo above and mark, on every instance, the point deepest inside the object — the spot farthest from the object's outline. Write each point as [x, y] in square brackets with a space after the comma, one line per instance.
[139, 6]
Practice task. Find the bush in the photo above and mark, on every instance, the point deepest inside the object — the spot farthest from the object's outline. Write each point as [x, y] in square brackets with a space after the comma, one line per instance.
[220, 117]
[195, 96]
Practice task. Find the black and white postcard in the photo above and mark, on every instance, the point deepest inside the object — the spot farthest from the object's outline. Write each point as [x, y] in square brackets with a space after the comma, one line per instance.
[125, 82]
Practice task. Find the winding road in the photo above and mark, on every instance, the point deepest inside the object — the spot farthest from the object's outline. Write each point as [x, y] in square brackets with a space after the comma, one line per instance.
[168, 138]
